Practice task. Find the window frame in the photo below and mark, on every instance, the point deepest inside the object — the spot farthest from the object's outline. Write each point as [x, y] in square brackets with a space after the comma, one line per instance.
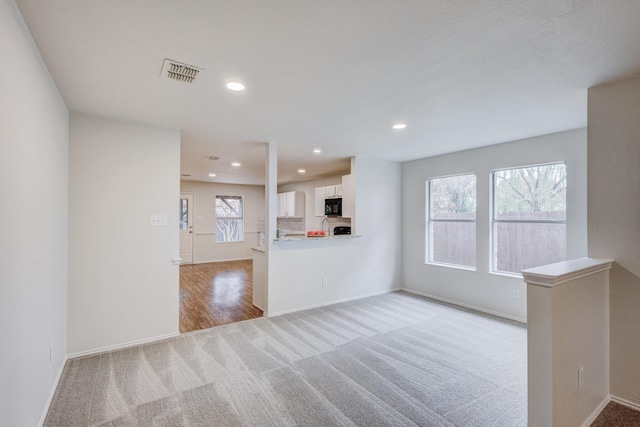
[430, 220]
[241, 218]
[493, 247]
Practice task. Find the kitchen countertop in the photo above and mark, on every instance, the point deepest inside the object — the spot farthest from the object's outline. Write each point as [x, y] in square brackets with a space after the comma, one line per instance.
[299, 237]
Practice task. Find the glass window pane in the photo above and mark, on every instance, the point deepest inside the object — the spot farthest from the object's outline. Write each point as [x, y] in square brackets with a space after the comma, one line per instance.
[453, 243]
[229, 230]
[184, 214]
[452, 213]
[519, 246]
[531, 193]
[229, 223]
[453, 197]
[228, 207]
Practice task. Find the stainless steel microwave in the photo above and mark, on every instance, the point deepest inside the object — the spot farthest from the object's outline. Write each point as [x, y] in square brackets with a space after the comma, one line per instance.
[333, 207]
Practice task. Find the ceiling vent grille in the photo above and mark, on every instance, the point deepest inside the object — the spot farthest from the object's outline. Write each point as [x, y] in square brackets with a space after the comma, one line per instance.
[175, 70]
[214, 158]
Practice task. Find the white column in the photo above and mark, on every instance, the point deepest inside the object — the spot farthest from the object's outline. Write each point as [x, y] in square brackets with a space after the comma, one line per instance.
[261, 256]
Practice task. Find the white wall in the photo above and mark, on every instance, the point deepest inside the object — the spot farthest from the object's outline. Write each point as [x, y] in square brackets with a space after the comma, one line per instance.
[205, 248]
[479, 289]
[33, 226]
[354, 268]
[614, 220]
[123, 286]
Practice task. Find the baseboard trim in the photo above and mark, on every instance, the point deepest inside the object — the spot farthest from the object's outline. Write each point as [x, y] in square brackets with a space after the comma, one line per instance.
[52, 392]
[627, 403]
[596, 412]
[323, 304]
[115, 347]
[604, 403]
[472, 307]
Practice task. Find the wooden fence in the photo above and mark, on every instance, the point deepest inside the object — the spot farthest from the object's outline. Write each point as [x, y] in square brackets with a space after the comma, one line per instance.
[518, 245]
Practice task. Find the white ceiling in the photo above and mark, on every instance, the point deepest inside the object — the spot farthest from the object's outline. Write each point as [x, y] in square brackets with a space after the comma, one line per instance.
[336, 74]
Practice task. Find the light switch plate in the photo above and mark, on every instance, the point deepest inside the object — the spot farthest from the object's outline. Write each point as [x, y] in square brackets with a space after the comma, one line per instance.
[158, 220]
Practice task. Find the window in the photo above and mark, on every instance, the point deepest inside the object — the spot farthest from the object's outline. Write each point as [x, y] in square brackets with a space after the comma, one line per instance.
[184, 214]
[451, 231]
[529, 217]
[229, 226]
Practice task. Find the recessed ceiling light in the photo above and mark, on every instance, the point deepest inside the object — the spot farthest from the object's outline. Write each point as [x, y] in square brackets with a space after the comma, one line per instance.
[235, 86]
[301, 171]
[399, 126]
[212, 175]
[236, 164]
[317, 151]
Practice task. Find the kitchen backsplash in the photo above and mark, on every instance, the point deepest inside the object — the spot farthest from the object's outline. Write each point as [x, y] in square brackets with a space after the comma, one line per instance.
[333, 222]
[297, 225]
[291, 226]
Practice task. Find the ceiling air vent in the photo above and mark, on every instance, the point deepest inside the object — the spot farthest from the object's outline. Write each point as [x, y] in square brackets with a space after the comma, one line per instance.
[178, 71]
[214, 158]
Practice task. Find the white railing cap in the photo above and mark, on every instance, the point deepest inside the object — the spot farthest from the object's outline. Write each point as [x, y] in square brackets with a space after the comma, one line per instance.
[561, 272]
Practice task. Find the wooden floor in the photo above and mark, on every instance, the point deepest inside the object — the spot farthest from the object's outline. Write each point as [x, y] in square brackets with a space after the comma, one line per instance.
[215, 294]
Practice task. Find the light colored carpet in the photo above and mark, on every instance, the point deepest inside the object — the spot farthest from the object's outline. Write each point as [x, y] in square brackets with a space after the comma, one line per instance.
[389, 360]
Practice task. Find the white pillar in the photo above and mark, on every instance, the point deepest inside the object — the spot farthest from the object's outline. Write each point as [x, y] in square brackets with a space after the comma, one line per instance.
[271, 207]
[261, 255]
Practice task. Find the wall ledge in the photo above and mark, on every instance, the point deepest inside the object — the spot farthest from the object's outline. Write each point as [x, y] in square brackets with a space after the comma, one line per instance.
[561, 272]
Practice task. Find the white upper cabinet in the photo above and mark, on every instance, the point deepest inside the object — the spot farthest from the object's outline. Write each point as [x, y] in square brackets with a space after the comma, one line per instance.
[282, 204]
[329, 191]
[291, 204]
[319, 201]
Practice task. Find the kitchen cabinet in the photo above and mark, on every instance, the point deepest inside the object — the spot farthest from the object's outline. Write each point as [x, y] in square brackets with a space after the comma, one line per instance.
[319, 201]
[282, 204]
[332, 191]
[291, 204]
[327, 192]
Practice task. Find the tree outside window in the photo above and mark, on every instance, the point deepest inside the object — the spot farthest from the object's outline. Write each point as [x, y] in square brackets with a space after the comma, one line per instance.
[229, 222]
[451, 232]
[184, 214]
[529, 217]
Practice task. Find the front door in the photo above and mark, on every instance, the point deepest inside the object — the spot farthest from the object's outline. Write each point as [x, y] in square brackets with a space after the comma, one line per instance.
[186, 228]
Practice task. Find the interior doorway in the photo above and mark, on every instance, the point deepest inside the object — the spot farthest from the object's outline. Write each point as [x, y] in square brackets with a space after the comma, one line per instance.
[186, 228]
[215, 294]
